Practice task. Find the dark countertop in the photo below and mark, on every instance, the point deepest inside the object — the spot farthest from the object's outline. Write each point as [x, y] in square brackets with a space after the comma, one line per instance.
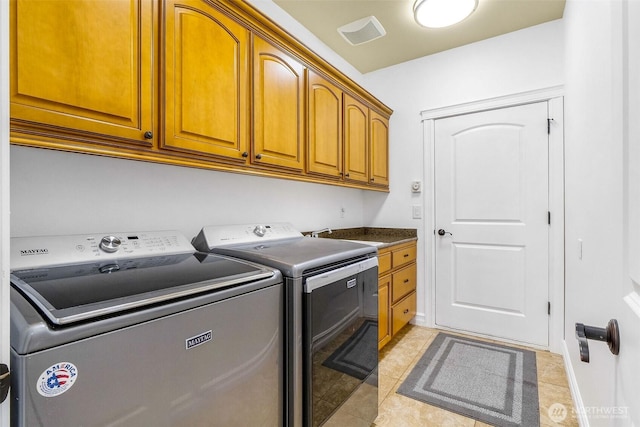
[388, 236]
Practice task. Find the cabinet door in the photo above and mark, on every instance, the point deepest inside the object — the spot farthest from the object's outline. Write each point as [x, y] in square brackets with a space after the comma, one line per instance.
[379, 157]
[205, 81]
[82, 70]
[384, 311]
[356, 122]
[278, 83]
[325, 127]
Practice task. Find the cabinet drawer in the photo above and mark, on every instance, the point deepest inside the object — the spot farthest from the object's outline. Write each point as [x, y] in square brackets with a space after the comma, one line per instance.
[384, 262]
[403, 281]
[403, 312]
[403, 255]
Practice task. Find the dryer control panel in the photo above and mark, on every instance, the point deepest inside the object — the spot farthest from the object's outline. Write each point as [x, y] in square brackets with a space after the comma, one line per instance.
[48, 251]
[217, 236]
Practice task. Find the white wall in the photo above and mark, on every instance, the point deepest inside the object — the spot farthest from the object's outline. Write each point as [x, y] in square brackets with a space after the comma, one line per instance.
[63, 193]
[521, 61]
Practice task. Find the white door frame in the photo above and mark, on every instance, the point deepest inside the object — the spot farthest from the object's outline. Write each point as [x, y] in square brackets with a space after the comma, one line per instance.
[554, 95]
[4, 197]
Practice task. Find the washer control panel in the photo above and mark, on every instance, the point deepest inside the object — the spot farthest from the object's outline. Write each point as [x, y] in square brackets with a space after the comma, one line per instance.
[48, 251]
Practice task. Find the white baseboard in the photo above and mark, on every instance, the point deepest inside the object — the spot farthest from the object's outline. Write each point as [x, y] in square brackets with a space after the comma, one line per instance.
[583, 420]
[420, 320]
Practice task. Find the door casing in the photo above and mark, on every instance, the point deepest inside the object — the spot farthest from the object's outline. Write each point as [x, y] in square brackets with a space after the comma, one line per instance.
[554, 96]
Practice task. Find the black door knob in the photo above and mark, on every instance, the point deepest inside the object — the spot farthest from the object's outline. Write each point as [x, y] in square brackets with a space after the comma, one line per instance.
[610, 334]
[442, 232]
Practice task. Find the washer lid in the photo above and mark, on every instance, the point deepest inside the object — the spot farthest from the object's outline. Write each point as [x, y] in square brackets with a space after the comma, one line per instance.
[75, 293]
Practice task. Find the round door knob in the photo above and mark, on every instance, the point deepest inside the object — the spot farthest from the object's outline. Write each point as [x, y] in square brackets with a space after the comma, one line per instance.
[110, 244]
[148, 135]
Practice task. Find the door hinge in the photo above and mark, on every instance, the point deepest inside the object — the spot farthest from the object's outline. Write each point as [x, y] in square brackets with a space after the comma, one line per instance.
[549, 126]
[549, 217]
[5, 381]
[549, 308]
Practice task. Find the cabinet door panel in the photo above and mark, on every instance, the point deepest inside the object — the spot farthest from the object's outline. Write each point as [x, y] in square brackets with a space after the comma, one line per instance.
[384, 307]
[379, 149]
[206, 81]
[83, 66]
[356, 122]
[325, 127]
[278, 107]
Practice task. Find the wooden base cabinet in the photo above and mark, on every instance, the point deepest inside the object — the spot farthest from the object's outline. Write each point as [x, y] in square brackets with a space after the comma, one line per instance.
[396, 289]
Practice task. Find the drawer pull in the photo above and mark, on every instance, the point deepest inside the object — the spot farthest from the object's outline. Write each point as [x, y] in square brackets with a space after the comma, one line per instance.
[406, 255]
[406, 280]
[406, 310]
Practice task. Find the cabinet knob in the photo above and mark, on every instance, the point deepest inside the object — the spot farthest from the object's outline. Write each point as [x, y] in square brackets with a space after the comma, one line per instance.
[371, 180]
[245, 154]
[258, 156]
[406, 311]
[347, 175]
[148, 135]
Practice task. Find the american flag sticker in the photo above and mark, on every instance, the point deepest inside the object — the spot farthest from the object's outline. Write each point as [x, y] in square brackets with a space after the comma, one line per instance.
[57, 379]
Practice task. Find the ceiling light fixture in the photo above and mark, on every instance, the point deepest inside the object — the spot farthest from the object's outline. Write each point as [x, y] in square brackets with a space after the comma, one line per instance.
[442, 13]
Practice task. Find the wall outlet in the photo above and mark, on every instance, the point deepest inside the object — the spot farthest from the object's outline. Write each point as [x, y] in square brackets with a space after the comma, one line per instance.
[417, 212]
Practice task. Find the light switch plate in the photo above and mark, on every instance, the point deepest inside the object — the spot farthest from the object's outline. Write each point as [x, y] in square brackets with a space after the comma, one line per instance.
[417, 212]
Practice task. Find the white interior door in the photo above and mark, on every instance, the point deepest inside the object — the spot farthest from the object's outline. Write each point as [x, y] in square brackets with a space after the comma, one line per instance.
[627, 309]
[491, 201]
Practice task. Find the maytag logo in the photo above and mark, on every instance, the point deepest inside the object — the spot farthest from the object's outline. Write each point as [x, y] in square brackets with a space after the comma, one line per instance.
[198, 339]
[28, 252]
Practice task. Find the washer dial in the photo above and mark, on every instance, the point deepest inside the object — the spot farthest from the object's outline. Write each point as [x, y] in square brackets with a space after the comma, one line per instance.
[110, 244]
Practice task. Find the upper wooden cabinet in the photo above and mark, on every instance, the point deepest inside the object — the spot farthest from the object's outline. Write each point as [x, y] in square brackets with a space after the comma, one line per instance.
[325, 145]
[206, 81]
[199, 83]
[81, 71]
[278, 107]
[366, 144]
[379, 149]
[356, 140]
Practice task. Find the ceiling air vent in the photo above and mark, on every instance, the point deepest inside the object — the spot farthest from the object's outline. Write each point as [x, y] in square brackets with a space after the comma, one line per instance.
[362, 31]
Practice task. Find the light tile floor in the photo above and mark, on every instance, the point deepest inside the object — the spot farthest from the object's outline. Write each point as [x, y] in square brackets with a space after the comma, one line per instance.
[398, 358]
